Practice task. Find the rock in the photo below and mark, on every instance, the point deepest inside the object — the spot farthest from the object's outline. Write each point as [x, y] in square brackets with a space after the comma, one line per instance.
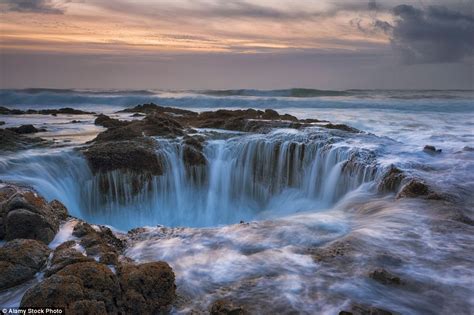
[383, 276]
[2, 123]
[101, 244]
[332, 251]
[392, 180]
[431, 150]
[107, 122]
[270, 114]
[414, 188]
[26, 129]
[12, 141]
[225, 307]
[136, 156]
[25, 214]
[75, 121]
[357, 309]
[341, 127]
[153, 108]
[80, 286]
[64, 255]
[147, 288]
[192, 151]
[20, 260]
[54, 112]
[137, 115]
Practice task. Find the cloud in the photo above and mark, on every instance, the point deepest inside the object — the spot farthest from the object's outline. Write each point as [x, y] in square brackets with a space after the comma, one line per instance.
[434, 34]
[33, 6]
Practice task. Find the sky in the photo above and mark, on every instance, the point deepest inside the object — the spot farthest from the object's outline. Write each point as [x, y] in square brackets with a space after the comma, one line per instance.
[219, 44]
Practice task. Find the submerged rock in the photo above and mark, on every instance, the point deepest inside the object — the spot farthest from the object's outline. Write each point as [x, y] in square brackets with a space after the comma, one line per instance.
[147, 288]
[383, 276]
[25, 214]
[358, 309]
[414, 188]
[20, 260]
[431, 150]
[392, 180]
[225, 307]
[12, 141]
[26, 129]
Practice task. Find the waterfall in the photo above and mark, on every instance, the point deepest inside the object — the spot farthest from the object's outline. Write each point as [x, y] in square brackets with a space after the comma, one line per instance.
[245, 177]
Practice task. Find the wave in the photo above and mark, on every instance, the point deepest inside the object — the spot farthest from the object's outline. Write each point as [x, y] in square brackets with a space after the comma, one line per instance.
[295, 92]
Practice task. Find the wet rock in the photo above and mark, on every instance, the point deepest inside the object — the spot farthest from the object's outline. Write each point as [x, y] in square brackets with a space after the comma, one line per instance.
[414, 188]
[334, 250]
[77, 287]
[107, 122]
[12, 141]
[431, 150]
[392, 180]
[147, 288]
[20, 260]
[153, 108]
[26, 129]
[341, 127]
[137, 115]
[225, 307]
[64, 255]
[75, 121]
[7, 111]
[383, 276]
[357, 309]
[54, 112]
[101, 243]
[137, 156]
[192, 151]
[25, 214]
[270, 114]
[2, 123]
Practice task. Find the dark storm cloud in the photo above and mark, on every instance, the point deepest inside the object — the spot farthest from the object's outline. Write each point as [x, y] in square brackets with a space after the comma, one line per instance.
[435, 34]
[32, 6]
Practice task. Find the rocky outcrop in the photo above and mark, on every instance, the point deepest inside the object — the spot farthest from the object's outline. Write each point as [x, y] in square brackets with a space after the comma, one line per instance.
[107, 122]
[341, 127]
[414, 188]
[65, 110]
[12, 141]
[20, 260]
[392, 180]
[153, 108]
[147, 288]
[383, 276]
[85, 285]
[192, 151]
[26, 129]
[226, 307]
[358, 309]
[25, 214]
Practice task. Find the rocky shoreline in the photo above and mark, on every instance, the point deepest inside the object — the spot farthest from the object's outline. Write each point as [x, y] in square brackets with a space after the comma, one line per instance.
[89, 273]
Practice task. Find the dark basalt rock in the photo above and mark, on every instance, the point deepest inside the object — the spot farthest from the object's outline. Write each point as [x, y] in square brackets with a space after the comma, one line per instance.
[225, 307]
[383, 276]
[102, 244]
[107, 122]
[26, 129]
[20, 260]
[392, 180]
[192, 151]
[341, 127]
[65, 110]
[414, 188]
[24, 214]
[85, 285]
[12, 141]
[357, 309]
[64, 255]
[431, 150]
[153, 108]
[147, 288]
[137, 156]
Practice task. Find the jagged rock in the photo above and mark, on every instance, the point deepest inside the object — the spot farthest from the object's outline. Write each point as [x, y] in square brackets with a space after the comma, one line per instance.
[107, 122]
[383, 276]
[20, 260]
[150, 108]
[341, 127]
[414, 188]
[26, 129]
[101, 244]
[392, 180]
[192, 151]
[147, 288]
[225, 307]
[431, 150]
[12, 141]
[137, 156]
[77, 287]
[357, 309]
[25, 214]
[65, 110]
[64, 255]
